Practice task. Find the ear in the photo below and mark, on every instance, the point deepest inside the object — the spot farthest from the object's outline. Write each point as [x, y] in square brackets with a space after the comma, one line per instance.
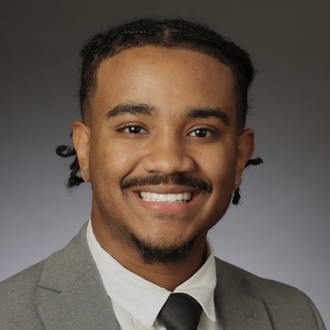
[245, 149]
[81, 135]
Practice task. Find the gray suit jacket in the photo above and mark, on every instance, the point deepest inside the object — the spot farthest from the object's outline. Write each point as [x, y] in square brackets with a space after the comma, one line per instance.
[66, 292]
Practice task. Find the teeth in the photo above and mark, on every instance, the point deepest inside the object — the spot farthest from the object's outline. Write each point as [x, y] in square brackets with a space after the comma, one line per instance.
[165, 198]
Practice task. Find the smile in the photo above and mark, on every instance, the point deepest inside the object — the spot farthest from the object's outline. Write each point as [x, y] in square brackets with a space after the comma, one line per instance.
[166, 198]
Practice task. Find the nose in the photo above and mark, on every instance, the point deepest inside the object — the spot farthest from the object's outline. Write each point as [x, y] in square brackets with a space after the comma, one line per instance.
[167, 155]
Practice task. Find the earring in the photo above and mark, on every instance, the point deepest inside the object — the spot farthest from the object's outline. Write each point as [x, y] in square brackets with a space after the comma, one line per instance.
[236, 182]
[236, 197]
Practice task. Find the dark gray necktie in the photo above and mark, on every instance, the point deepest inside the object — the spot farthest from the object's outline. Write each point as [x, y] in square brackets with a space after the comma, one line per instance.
[180, 312]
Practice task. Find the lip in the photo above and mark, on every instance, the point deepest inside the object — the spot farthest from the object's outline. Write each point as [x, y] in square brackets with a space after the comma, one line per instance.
[166, 189]
[166, 208]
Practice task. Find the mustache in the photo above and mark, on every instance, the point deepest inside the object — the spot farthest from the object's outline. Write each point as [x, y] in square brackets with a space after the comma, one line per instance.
[179, 179]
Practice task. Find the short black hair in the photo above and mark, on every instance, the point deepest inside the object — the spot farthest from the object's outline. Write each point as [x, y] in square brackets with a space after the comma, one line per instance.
[167, 33]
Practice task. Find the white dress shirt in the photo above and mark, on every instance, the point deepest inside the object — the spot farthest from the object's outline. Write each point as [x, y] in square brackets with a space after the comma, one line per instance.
[136, 302]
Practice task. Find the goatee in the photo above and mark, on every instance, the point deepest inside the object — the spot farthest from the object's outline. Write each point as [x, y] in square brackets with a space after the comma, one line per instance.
[162, 256]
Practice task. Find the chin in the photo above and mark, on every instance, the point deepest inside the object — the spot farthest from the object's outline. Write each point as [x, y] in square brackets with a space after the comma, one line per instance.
[157, 254]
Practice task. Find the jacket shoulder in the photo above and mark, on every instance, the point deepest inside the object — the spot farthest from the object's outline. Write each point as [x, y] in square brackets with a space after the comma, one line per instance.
[18, 293]
[262, 288]
[21, 294]
[278, 298]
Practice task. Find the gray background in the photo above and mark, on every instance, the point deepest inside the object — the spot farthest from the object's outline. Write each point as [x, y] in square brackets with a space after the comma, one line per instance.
[281, 230]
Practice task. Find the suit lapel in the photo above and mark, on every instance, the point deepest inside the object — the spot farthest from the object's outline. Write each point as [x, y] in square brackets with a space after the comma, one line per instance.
[234, 308]
[82, 306]
[71, 294]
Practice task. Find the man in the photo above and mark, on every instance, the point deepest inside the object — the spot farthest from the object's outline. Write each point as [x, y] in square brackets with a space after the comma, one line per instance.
[164, 145]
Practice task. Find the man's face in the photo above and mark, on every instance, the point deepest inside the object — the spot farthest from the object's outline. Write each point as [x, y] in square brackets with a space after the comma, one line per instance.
[162, 149]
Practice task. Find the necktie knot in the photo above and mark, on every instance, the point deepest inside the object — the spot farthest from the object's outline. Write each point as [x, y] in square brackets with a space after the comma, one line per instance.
[180, 312]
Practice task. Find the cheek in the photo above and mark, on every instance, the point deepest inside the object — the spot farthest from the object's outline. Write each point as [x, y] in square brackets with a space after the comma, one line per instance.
[220, 166]
[111, 162]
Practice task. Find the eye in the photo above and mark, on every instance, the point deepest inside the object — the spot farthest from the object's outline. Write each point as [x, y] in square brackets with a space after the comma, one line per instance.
[133, 129]
[201, 132]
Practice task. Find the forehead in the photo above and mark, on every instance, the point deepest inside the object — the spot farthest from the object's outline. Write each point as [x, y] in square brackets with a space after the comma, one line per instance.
[164, 78]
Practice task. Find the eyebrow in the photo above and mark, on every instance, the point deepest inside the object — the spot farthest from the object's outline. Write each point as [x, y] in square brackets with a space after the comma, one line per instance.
[148, 110]
[209, 112]
[132, 109]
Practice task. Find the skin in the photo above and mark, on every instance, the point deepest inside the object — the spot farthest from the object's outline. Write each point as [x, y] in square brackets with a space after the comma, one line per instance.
[161, 139]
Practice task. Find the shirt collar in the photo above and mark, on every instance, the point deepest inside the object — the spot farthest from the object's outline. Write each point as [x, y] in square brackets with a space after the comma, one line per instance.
[146, 299]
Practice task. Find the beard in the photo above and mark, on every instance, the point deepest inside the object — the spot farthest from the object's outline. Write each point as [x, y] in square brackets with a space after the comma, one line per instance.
[152, 255]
